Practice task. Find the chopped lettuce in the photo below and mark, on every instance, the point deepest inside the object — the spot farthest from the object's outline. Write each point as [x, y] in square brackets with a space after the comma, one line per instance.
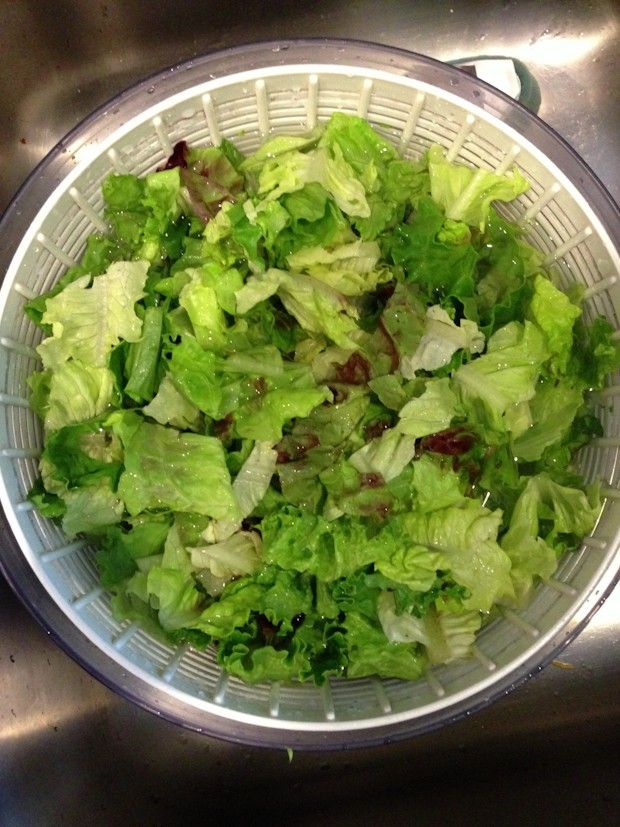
[317, 407]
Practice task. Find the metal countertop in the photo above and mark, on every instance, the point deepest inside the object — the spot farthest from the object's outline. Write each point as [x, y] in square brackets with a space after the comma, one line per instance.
[71, 751]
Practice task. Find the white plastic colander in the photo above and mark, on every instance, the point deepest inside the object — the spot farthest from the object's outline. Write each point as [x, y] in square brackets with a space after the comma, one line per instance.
[246, 94]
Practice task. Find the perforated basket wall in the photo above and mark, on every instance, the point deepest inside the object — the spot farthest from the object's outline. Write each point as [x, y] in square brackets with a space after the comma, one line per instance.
[187, 685]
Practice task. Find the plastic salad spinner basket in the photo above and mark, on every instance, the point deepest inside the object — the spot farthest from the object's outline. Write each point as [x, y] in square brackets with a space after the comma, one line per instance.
[245, 94]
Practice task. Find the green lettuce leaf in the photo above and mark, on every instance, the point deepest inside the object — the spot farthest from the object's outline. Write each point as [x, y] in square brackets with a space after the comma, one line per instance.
[438, 267]
[88, 321]
[504, 376]
[308, 543]
[435, 485]
[175, 597]
[249, 487]
[170, 407]
[445, 636]
[465, 538]
[74, 392]
[553, 409]
[598, 354]
[433, 411]
[120, 548]
[80, 453]
[166, 469]
[546, 519]
[414, 566]
[143, 357]
[554, 313]
[204, 311]
[370, 652]
[99, 252]
[440, 341]
[351, 269]
[465, 193]
[91, 507]
[290, 171]
[506, 267]
[237, 555]
[317, 307]
[386, 455]
[264, 418]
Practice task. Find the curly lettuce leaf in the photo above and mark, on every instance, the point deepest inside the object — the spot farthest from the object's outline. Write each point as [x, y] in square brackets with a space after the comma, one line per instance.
[371, 653]
[547, 518]
[465, 538]
[437, 266]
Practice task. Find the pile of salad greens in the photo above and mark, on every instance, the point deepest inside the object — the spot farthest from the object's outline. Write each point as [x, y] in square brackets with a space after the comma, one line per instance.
[317, 406]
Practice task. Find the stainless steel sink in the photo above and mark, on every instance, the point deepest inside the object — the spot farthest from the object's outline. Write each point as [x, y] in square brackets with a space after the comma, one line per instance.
[72, 752]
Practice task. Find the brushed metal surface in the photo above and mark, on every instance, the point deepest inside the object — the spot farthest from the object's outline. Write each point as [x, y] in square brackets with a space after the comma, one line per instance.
[72, 752]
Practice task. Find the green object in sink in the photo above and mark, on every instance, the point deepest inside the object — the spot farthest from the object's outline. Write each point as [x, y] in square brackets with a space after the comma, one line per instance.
[507, 74]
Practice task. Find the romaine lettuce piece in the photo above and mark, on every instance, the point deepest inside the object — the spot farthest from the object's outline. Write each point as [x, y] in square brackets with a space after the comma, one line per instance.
[204, 311]
[553, 409]
[414, 566]
[309, 543]
[351, 269]
[435, 485]
[433, 411]
[91, 507]
[390, 453]
[371, 653]
[120, 548]
[143, 357]
[317, 307]
[437, 266]
[174, 596]
[249, 487]
[386, 455]
[233, 556]
[192, 369]
[598, 354]
[264, 418]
